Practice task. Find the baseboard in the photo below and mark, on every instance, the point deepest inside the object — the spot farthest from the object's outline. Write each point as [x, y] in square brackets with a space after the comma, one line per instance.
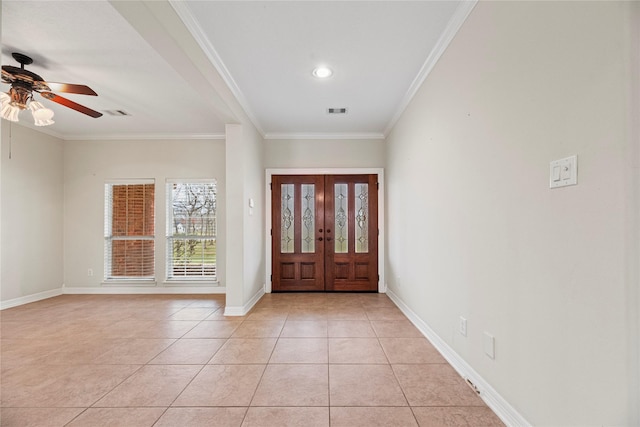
[241, 311]
[150, 290]
[114, 290]
[497, 403]
[30, 298]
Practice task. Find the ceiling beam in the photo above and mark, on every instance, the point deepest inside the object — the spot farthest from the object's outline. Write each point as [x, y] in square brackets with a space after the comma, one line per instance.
[158, 23]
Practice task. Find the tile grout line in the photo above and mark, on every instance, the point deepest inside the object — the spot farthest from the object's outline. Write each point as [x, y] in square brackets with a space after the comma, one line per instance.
[253, 395]
[194, 376]
[372, 311]
[199, 371]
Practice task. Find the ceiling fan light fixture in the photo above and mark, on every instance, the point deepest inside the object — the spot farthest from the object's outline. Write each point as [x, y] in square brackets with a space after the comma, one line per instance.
[322, 72]
[41, 116]
[8, 111]
[43, 122]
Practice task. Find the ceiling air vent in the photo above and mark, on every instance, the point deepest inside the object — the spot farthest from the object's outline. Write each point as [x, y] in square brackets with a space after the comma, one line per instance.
[336, 111]
[117, 113]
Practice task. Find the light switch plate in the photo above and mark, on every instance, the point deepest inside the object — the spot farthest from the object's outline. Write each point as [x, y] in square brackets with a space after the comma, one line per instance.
[563, 172]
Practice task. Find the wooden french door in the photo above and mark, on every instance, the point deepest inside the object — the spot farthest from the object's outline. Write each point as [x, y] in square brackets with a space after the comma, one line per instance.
[324, 233]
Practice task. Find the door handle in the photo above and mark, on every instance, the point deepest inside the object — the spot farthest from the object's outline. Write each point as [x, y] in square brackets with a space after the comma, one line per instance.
[320, 231]
[328, 231]
[320, 239]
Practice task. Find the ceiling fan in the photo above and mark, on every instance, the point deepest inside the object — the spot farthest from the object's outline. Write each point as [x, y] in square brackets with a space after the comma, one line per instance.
[20, 97]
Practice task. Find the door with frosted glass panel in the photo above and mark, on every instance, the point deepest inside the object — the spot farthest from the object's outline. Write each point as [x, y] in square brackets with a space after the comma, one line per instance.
[351, 219]
[324, 233]
[298, 233]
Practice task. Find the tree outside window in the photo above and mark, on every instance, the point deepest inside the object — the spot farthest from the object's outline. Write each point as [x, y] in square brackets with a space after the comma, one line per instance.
[191, 230]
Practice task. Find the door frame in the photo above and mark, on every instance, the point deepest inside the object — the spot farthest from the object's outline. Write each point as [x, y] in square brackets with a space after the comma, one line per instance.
[382, 288]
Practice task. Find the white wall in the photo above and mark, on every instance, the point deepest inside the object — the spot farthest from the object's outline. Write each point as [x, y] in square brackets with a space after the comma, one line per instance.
[245, 227]
[88, 164]
[32, 194]
[235, 222]
[475, 231]
[254, 217]
[633, 219]
[328, 153]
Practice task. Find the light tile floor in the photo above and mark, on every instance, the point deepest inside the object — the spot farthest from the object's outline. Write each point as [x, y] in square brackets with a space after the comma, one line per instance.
[175, 360]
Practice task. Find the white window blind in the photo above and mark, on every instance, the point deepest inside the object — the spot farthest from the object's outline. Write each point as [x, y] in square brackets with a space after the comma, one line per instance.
[129, 230]
[191, 230]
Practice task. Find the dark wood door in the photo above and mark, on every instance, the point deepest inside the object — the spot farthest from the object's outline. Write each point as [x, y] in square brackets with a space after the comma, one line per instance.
[297, 233]
[351, 218]
[324, 233]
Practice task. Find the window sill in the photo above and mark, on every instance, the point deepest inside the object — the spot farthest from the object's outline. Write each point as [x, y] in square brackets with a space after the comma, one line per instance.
[130, 282]
[191, 282]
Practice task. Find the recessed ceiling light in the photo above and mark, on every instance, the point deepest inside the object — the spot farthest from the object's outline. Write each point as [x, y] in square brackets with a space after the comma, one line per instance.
[322, 72]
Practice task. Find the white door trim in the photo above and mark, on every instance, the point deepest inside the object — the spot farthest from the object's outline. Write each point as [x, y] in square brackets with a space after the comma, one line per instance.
[382, 288]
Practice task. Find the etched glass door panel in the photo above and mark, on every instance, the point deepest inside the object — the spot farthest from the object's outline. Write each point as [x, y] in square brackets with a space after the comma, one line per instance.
[362, 217]
[351, 262]
[288, 227]
[308, 218]
[297, 233]
[324, 233]
[341, 193]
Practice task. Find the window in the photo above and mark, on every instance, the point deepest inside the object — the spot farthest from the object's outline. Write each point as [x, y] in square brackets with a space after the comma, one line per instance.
[191, 230]
[129, 230]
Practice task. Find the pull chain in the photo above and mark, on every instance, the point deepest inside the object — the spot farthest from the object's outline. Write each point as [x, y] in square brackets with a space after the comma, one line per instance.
[10, 139]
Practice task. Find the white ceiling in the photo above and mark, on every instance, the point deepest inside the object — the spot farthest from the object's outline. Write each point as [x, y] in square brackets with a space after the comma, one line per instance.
[184, 69]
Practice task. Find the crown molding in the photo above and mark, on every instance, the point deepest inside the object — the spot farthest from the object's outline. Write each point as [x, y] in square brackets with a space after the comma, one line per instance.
[118, 137]
[325, 135]
[452, 28]
[145, 137]
[183, 12]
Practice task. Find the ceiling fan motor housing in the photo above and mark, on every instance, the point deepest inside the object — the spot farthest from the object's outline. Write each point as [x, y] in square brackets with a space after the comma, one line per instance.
[20, 94]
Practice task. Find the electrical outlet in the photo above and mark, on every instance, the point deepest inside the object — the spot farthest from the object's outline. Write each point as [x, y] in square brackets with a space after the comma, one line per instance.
[489, 344]
[90, 272]
[462, 326]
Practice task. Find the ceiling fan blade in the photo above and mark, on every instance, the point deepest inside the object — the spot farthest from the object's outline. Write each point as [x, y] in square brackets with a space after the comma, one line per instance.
[7, 77]
[68, 103]
[70, 88]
